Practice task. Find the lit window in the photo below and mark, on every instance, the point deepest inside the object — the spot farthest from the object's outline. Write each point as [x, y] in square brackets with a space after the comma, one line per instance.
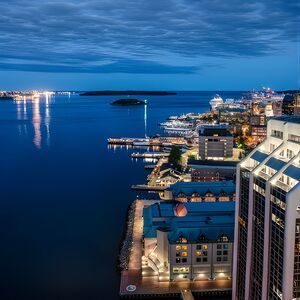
[183, 240]
[181, 270]
[223, 238]
[198, 253]
[178, 247]
[205, 247]
[184, 247]
[184, 253]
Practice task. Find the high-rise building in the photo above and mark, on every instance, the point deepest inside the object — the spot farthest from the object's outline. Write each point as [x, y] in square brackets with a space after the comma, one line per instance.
[291, 104]
[267, 223]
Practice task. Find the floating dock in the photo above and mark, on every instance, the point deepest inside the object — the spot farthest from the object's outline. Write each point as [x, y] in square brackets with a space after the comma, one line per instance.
[149, 167]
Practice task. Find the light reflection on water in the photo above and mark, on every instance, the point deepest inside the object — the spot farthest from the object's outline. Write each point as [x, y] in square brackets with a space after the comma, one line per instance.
[37, 110]
[36, 121]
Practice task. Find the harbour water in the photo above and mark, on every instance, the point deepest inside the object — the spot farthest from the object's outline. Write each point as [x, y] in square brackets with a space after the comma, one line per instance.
[64, 194]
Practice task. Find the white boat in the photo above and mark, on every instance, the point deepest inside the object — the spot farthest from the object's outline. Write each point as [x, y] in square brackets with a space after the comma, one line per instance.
[177, 129]
[176, 124]
[215, 102]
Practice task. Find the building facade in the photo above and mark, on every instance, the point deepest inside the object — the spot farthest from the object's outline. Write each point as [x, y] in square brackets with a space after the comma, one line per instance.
[215, 142]
[221, 171]
[191, 241]
[233, 115]
[267, 249]
[258, 127]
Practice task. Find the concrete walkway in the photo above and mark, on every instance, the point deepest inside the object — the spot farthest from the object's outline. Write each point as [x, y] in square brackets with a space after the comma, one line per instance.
[135, 259]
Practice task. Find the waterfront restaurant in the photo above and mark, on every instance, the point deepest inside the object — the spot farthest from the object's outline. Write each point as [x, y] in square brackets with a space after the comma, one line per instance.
[188, 241]
[215, 191]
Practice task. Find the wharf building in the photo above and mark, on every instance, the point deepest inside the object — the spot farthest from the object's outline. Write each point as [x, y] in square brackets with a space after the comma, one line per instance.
[210, 170]
[218, 191]
[215, 142]
[267, 222]
[191, 241]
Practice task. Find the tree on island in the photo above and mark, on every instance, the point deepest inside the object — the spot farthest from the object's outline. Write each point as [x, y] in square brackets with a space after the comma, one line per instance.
[175, 156]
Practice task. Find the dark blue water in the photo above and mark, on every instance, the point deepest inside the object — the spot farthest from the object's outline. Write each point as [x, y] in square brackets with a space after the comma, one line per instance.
[64, 195]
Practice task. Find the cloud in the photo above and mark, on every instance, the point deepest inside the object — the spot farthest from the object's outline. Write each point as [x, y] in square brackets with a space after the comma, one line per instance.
[140, 36]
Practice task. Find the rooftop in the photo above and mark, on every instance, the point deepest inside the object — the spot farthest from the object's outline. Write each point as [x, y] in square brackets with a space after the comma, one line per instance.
[212, 163]
[214, 131]
[288, 119]
[202, 188]
[205, 219]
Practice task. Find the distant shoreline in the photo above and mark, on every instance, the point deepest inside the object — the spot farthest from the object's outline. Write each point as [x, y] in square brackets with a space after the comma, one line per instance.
[129, 92]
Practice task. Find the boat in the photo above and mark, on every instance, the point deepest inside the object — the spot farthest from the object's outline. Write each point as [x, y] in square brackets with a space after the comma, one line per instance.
[172, 118]
[177, 128]
[215, 102]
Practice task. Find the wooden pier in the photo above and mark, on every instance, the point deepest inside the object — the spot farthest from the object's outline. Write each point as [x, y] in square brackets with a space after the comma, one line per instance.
[159, 141]
[145, 187]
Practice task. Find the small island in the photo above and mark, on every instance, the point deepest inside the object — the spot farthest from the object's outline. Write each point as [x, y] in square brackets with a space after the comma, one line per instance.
[129, 101]
[129, 92]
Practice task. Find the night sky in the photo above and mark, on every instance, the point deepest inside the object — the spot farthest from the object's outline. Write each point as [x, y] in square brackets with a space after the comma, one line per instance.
[143, 44]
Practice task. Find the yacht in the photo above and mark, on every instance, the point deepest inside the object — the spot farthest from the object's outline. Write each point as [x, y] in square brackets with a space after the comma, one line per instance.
[215, 102]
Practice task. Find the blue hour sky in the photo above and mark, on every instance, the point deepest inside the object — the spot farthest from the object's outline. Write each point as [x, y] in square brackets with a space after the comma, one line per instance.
[143, 44]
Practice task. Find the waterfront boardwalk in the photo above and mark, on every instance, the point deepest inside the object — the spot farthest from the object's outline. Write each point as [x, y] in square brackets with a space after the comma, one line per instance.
[134, 285]
[150, 155]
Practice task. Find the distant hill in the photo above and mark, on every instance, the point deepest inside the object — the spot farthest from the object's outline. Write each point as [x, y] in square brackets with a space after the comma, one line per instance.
[122, 93]
[289, 92]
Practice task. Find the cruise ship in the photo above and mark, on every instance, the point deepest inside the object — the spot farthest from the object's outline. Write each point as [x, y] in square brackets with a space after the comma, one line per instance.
[215, 102]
